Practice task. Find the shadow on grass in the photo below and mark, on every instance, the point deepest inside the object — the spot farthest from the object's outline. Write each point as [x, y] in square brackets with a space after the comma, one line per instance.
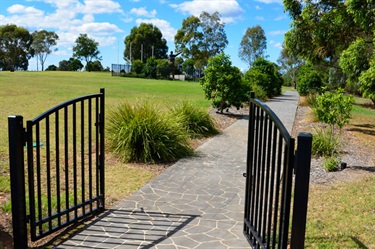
[367, 129]
[333, 242]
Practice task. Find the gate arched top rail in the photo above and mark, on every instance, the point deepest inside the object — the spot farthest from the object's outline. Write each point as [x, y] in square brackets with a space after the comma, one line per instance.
[280, 126]
[65, 104]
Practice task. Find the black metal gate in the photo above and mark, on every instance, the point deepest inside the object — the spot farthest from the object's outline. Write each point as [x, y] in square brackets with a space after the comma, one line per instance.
[271, 160]
[63, 181]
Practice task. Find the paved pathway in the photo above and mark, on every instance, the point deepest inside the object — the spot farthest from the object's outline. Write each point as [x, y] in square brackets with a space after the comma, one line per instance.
[196, 203]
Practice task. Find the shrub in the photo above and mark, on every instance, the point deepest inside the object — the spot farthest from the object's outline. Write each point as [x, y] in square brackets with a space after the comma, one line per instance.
[311, 99]
[309, 81]
[331, 163]
[334, 108]
[142, 133]
[259, 92]
[265, 74]
[223, 85]
[324, 143]
[196, 120]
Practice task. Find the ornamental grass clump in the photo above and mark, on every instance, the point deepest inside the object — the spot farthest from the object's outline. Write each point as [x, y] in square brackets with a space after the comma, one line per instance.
[196, 120]
[143, 133]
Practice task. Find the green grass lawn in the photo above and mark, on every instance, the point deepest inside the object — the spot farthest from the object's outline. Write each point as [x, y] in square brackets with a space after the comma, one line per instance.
[31, 93]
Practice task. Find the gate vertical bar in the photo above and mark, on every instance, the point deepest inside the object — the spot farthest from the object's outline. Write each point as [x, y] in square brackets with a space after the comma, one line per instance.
[102, 187]
[301, 190]
[16, 134]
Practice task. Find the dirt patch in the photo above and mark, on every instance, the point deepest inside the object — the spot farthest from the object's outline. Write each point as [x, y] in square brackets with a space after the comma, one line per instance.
[359, 158]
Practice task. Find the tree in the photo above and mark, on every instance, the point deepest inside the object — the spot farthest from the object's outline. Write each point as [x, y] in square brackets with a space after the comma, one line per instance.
[265, 74]
[222, 83]
[42, 43]
[137, 67]
[355, 60]
[201, 38]
[309, 80]
[320, 31]
[86, 49]
[214, 37]
[51, 68]
[150, 68]
[163, 68]
[144, 42]
[189, 38]
[64, 65]
[74, 64]
[95, 66]
[253, 45]
[367, 82]
[15, 47]
[289, 66]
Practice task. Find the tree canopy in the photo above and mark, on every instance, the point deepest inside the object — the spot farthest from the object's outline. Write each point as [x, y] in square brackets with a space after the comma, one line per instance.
[145, 41]
[86, 49]
[253, 45]
[337, 37]
[15, 47]
[222, 83]
[42, 42]
[200, 38]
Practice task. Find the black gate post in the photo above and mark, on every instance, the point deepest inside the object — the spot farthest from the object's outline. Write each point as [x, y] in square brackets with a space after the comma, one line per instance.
[17, 179]
[301, 190]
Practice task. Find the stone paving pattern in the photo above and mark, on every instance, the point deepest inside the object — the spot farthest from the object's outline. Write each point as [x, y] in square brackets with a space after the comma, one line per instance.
[196, 203]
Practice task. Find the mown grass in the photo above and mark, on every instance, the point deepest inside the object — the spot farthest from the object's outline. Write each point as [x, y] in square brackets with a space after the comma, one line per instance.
[342, 215]
[31, 93]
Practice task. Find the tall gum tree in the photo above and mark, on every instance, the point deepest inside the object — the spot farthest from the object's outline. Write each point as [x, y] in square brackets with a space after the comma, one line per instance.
[253, 45]
[86, 49]
[43, 41]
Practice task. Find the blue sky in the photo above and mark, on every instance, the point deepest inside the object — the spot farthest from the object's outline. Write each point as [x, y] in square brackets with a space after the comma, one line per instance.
[109, 22]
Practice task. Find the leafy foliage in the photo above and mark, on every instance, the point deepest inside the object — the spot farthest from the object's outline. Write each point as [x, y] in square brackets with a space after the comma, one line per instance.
[355, 59]
[87, 49]
[334, 108]
[15, 47]
[201, 38]
[137, 67]
[324, 143]
[142, 133]
[331, 163]
[367, 83]
[265, 75]
[145, 41]
[195, 119]
[163, 68]
[253, 45]
[150, 68]
[309, 80]
[222, 83]
[42, 42]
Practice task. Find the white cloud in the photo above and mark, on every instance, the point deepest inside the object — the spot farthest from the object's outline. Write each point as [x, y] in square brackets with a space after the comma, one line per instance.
[279, 18]
[259, 18]
[102, 6]
[257, 7]
[165, 27]
[270, 1]
[96, 29]
[277, 32]
[143, 12]
[20, 9]
[276, 44]
[229, 10]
